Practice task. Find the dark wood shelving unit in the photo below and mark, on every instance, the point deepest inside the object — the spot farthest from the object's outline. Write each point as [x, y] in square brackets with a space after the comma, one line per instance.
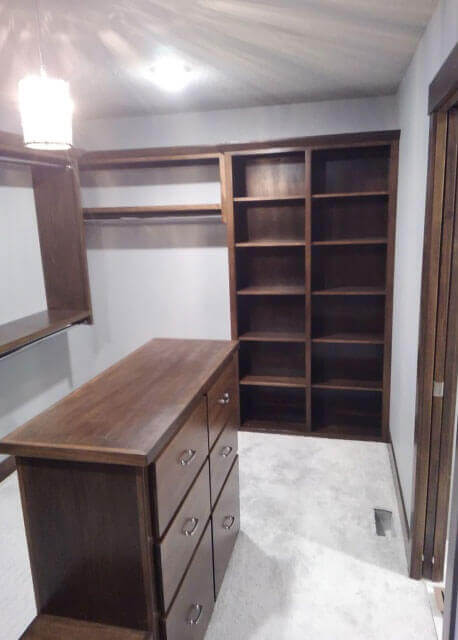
[311, 253]
[56, 187]
[115, 160]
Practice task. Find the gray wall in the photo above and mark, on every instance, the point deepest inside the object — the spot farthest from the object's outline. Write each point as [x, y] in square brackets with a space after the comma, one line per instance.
[437, 42]
[158, 280]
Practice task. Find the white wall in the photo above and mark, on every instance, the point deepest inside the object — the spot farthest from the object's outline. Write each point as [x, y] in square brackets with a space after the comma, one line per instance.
[437, 42]
[158, 280]
[22, 290]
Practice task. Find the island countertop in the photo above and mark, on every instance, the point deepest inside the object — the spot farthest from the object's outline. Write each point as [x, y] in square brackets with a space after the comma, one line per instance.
[130, 411]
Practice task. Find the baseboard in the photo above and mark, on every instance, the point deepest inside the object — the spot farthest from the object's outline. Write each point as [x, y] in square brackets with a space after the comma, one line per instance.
[7, 467]
[400, 500]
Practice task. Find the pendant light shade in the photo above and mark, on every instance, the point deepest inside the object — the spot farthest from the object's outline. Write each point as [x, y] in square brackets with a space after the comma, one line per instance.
[46, 112]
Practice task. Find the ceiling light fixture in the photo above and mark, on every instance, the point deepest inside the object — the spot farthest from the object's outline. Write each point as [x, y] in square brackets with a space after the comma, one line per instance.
[171, 74]
[46, 107]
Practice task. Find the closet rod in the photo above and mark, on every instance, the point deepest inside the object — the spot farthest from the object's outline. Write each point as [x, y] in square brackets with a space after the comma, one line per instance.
[35, 163]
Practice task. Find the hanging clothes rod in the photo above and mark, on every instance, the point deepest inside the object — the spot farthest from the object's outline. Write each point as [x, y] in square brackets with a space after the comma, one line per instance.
[32, 162]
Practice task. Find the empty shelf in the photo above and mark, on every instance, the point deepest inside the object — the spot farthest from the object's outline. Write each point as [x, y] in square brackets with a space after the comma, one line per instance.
[351, 338]
[283, 290]
[273, 381]
[261, 199]
[350, 291]
[273, 336]
[274, 426]
[349, 384]
[356, 194]
[18, 333]
[344, 431]
[271, 243]
[349, 241]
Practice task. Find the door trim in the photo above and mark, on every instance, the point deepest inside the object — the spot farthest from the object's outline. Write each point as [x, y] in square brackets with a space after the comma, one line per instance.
[443, 96]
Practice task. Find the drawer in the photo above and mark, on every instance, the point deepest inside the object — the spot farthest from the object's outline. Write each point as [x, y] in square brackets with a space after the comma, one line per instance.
[180, 541]
[222, 457]
[223, 402]
[192, 608]
[178, 465]
[226, 524]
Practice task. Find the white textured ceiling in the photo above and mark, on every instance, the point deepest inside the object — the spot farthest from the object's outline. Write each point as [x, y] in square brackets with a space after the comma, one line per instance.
[248, 52]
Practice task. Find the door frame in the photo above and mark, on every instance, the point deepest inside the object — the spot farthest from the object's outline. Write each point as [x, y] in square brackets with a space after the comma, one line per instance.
[434, 421]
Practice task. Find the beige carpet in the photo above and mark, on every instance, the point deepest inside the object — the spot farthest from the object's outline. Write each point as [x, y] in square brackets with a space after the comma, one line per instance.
[307, 565]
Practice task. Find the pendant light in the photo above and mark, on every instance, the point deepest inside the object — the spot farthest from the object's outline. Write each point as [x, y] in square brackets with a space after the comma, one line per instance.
[46, 107]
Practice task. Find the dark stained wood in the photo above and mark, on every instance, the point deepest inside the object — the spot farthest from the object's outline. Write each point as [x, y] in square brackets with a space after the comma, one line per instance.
[308, 289]
[428, 317]
[223, 401]
[183, 535]
[273, 381]
[351, 337]
[101, 213]
[226, 524]
[46, 627]
[352, 411]
[272, 336]
[178, 465]
[7, 467]
[275, 199]
[445, 84]
[195, 599]
[359, 267]
[350, 291]
[357, 241]
[18, 333]
[231, 225]
[61, 233]
[143, 158]
[342, 219]
[348, 139]
[12, 147]
[350, 194]
[88, 539]
[273, 408]
[128, 413]
[389, 287]
[221, 458]
[442, 426]
[277, 290]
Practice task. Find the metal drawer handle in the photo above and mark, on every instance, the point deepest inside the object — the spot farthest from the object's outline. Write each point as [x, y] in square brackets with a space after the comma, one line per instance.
[228, 522]
[195, 608]
[194, 522]
[225, 398]
[187, 457]
[226, 451]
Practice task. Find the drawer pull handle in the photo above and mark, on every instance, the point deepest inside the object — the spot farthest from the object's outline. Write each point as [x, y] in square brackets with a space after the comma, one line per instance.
[225, 398]
[190, 531]
[187, 457]
[198, 608]
[226, 451]
[228, 522]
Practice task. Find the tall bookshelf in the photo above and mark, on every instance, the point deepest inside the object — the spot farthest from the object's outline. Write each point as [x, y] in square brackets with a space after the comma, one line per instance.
[311, 246]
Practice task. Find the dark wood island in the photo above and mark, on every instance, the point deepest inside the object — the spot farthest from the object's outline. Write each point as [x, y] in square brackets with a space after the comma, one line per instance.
[130, 495]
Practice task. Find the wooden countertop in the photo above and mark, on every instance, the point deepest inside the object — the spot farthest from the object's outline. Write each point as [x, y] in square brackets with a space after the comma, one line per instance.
[130, 411]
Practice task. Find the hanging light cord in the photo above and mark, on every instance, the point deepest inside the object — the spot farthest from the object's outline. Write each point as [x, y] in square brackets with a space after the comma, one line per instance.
[40, 49]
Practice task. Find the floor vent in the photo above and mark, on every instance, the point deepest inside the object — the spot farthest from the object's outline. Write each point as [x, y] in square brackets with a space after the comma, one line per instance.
[383, 522]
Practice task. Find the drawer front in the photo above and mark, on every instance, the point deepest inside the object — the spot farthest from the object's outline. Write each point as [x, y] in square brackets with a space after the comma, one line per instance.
[222, 457]
[223, 402]
[176, 550]
[178, 465]
[226, 524]
[192, 608]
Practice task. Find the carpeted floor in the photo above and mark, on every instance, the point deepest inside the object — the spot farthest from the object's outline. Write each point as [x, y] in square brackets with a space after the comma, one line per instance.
[308, 564]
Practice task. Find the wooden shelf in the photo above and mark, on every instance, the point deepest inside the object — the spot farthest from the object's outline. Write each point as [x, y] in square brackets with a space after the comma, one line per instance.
[267, 426]
[349, 385]
[142, 159]
[284, 290]
[351, 291]
[345, 431]
[18, 333]
[273, 336]
[349, 241]
[273, 381]
[270, 243]
[101, 213]
[355, 194]
[262, 199]
[351, 338]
